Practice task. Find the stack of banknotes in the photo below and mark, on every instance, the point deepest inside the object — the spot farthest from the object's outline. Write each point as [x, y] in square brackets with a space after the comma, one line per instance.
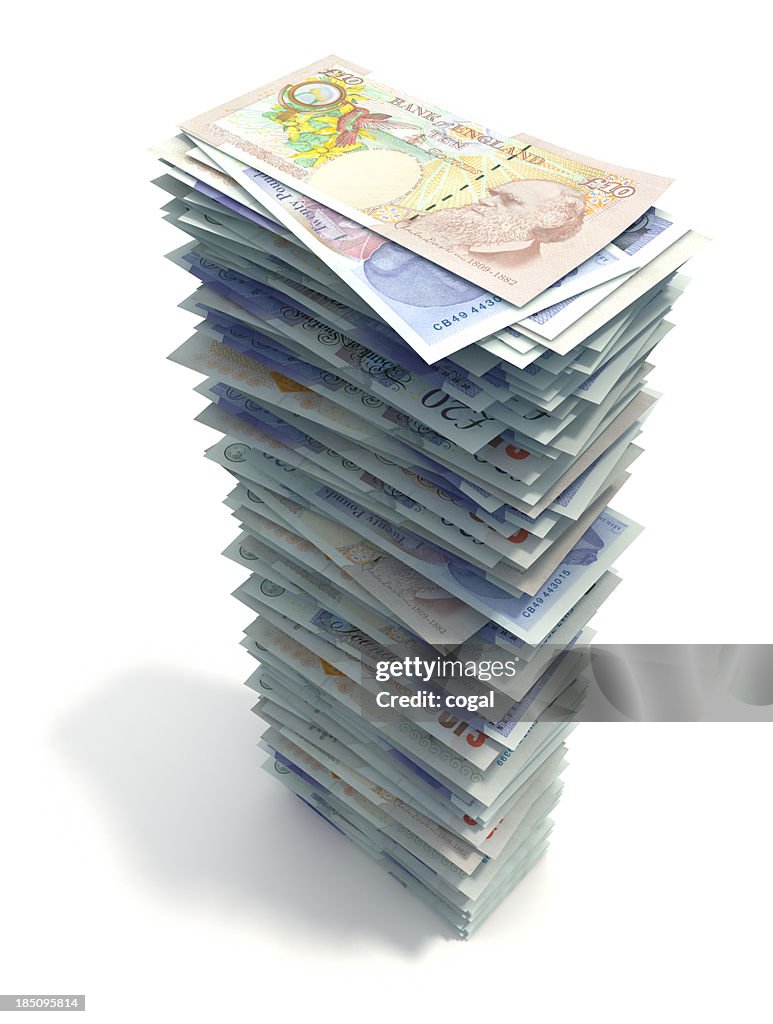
[425, 345]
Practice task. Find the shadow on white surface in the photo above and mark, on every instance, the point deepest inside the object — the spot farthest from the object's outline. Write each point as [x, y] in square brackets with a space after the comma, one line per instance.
[171, 761]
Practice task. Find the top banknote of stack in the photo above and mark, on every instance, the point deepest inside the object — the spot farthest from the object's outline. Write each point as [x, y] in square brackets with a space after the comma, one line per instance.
[449, 231]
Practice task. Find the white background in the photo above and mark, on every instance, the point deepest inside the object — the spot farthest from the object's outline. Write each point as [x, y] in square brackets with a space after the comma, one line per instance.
[146, 860]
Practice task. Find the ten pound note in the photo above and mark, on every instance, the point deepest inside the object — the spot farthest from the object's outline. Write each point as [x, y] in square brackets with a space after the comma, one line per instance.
[486, 223]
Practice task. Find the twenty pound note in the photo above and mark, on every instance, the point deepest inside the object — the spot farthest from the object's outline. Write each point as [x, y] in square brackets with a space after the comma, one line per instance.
[503, 215]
